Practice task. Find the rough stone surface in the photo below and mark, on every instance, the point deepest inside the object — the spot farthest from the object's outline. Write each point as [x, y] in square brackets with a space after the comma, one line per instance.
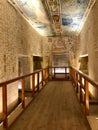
[88, 44]
[17, 40]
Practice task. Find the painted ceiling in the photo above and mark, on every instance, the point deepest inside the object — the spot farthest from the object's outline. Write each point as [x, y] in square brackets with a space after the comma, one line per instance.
[53, 17]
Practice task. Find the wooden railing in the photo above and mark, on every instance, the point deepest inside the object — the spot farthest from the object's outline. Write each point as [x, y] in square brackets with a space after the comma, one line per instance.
[41, 78]
[60, 73]
[81, 83]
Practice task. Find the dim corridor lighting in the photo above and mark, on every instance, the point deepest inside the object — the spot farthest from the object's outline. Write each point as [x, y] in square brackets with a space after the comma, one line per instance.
[61, 70]
[19, 85]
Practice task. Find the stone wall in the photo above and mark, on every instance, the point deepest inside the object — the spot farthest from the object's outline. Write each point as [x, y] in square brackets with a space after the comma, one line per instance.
[17, 40]
[88, 44]
[46, 52]
[74, 51]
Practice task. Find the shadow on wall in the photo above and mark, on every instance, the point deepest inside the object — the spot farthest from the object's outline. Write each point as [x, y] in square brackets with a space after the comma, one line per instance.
[84, 64]
[23, 69]
[37, 62]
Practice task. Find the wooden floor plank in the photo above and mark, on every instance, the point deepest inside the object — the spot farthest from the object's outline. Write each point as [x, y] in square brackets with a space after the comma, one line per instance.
[56, 107]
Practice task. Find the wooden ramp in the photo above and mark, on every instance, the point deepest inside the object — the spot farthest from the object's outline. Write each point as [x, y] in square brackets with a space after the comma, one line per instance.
[56, 107]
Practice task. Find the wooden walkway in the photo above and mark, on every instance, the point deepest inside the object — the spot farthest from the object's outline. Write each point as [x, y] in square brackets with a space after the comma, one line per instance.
[56, 107]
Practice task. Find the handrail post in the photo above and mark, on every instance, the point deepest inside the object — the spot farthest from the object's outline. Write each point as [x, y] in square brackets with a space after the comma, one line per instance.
[45, 75]
[38, 81]
[54, 72]
[48, 73]
[4, 100]
[70, 73]
[73, 77]
[33, 83]
[65, 72]
[86, 98]
[81, 97]
[76, 82]
[42, 79]
[23, 93]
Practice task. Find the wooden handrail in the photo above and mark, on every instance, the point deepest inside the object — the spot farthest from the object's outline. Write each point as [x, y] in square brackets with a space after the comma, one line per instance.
[64, 74]
[4, 85]
[93, 82]
[77, 77]
[20, 77]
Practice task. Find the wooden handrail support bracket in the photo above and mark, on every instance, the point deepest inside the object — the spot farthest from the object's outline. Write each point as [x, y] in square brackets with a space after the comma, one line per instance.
[23, 93]
[86, 98]
[84, 86]
[38, 81]
[4, 100]
[81, 97]
[33, 83]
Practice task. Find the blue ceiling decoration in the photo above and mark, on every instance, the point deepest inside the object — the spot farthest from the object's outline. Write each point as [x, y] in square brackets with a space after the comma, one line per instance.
[66, 21]
[72, 12]
[53, 17]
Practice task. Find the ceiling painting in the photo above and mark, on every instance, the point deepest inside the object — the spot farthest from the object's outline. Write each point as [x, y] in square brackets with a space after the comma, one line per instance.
[72, 12]
[54, 17]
